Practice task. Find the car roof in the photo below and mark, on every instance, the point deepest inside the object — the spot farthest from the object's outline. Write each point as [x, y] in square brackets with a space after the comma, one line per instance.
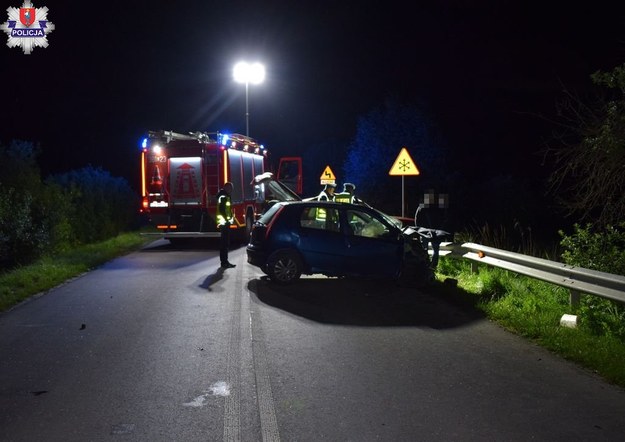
[335, 204]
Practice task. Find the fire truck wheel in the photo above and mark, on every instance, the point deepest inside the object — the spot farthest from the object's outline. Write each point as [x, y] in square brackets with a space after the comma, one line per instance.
[284, 266]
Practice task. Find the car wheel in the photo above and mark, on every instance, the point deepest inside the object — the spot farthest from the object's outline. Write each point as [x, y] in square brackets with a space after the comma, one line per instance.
[284, 266]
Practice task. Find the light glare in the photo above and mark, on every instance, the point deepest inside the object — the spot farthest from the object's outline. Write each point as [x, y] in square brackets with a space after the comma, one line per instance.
[249, 73]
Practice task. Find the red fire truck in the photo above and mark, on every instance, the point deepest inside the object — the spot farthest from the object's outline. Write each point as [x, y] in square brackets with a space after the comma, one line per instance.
[181, 175]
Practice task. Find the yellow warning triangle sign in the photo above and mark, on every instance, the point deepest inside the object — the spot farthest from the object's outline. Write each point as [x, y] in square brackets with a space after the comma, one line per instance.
[327, 177]
[404, 165]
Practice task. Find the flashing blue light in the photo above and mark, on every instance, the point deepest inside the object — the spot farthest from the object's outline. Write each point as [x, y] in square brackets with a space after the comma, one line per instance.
[144, 143]
[262, 147]
[224, 139]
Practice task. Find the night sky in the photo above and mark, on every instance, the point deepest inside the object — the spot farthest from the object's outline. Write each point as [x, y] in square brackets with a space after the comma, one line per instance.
[485, 71]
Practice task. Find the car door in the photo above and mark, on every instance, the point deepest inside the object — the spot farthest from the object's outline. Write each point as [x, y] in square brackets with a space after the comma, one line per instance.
[374, 247]
[322, 243]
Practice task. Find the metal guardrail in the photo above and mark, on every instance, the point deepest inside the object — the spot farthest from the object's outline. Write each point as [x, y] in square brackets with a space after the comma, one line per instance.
[577, 279]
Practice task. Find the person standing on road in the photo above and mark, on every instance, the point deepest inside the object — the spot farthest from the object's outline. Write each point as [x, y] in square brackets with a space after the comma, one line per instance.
[433, 223]
[327, 194]
[347, 195]
[224, 221]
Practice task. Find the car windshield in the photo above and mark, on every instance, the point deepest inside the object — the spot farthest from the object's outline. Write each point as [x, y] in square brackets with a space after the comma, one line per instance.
[390, 219]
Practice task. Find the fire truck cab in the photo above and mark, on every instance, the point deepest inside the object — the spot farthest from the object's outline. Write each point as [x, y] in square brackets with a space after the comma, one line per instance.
[181, 175]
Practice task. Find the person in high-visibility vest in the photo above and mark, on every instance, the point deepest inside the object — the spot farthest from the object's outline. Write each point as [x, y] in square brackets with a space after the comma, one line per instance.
[347, 195]
[224, 220]
[327, 194]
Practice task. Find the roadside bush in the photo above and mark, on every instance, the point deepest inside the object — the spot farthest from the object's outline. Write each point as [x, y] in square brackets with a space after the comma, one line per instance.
[22, 236]
[102, 206]
[603, 251]
[40, 218]
[23, 233]
[57, 209]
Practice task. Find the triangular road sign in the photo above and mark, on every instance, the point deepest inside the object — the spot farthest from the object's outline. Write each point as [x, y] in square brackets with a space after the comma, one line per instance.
[327, 177]
[404, 165]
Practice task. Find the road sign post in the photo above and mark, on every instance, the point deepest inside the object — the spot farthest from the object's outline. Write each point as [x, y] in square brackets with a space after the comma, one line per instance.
[403, 165]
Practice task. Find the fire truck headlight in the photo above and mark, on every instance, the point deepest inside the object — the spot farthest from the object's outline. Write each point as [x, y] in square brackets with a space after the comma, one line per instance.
[157, 149]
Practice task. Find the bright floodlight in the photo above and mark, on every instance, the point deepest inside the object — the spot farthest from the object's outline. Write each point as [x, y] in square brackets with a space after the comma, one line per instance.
[249, 73]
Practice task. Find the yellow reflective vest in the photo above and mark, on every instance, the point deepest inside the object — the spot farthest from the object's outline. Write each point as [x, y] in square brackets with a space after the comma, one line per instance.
[224, 209]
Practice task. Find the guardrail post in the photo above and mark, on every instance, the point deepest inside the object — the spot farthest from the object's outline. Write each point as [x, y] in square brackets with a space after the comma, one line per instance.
[473, 267]
[574, 297]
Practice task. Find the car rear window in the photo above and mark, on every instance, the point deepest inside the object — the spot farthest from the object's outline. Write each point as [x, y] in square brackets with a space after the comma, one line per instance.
[269, 214]
[277, 191]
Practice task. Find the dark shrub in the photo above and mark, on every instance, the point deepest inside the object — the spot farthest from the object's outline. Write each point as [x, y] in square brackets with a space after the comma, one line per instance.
[102, 206]
[604, 251]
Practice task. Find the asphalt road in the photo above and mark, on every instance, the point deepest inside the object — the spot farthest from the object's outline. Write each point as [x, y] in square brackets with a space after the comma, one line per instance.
[161, 345]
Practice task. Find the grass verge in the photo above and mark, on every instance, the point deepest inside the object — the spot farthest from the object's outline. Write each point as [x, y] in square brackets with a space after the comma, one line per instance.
[23, 282]
[532, 309]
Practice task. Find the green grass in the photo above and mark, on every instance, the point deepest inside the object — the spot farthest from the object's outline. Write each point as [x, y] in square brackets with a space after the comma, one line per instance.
[533, 309]
[23, 282]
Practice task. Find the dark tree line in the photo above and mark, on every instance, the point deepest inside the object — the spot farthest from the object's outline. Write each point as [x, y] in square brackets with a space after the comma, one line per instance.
[589, 152]
[44, 216]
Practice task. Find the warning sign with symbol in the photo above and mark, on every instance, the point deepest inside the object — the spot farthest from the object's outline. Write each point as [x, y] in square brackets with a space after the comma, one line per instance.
[404, 165]
[327, 177]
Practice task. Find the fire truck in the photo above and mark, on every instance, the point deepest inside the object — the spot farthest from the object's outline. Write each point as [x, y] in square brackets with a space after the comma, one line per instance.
[181, 175]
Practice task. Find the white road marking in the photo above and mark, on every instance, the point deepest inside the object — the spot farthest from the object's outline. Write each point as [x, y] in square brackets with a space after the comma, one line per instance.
[232, 406]
[199, 401]
[266, 408]
[220, 388]
[267, 411]
[246, 334]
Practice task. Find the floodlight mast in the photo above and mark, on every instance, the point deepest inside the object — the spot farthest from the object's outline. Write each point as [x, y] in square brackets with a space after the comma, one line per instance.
[247, 73]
